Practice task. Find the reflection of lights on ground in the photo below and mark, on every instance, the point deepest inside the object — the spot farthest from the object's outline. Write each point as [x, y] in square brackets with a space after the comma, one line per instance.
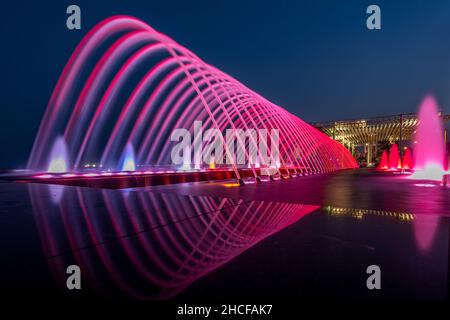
[231, 185]
[402, 172]
[426, 185]
[360, 213]
[56, 193]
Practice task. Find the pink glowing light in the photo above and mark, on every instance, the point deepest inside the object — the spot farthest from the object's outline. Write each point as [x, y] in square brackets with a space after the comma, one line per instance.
[407, 159]
[394, 158]
[384, 161]
[425, 228]
[429, 153]
[44, 176]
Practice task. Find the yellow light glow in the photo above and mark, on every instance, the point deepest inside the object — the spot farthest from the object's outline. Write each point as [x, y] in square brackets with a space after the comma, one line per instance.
[230, 185]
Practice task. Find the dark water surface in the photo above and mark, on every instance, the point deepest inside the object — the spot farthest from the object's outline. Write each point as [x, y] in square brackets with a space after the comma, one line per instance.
[306, 237]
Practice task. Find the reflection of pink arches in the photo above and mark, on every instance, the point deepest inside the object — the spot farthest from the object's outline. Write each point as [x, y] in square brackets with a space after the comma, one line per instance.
[150, 245]
[127, 84]
[425, 228]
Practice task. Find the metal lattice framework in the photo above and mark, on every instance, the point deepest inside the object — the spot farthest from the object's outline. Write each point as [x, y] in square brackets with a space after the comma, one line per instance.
[127, 84]
[372, 130]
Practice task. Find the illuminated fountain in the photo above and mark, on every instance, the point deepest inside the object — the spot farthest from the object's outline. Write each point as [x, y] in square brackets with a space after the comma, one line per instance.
[128, 162]
[407, 160]
[394, 162]
[112, 122]
[384, 161]
[88, 107]
[58, 157]
[394, 158]
[429, 153]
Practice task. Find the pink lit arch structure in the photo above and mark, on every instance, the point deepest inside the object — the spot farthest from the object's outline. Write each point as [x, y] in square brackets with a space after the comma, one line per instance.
[127, 84]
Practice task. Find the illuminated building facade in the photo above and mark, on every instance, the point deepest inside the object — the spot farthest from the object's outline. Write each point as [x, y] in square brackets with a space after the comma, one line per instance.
[368, 134]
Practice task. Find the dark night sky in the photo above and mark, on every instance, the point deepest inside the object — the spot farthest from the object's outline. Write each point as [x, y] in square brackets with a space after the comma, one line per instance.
[315, 58]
